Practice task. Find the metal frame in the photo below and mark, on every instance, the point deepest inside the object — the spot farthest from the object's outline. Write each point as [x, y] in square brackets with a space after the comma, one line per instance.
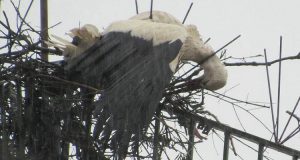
[262, 143]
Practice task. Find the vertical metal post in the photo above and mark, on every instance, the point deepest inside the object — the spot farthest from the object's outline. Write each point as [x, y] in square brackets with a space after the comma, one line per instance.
[156, 134]
[44, 27]
[261, 151]
[226, 145]
[270, 96]
[4, 132]
[295, 157]
[151, 9]
[136, 7]
[191, 144]
[20, 123]
[279, 89]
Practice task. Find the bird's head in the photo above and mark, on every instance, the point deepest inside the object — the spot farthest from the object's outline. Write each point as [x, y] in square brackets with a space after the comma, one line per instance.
[83, 38]
[194, 49]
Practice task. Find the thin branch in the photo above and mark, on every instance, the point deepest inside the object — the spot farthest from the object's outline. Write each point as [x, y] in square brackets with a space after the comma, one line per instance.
[293, 115]
[263, 63]
[237, 100]
[19, 15]
[260, 121]
[205, 59]
[70, 82]
[238, 118]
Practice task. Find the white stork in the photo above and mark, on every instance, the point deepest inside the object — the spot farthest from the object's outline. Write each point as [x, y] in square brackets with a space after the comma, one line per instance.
[133, 62]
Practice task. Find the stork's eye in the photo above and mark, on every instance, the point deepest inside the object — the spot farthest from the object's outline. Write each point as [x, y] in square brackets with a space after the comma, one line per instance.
[76, 40]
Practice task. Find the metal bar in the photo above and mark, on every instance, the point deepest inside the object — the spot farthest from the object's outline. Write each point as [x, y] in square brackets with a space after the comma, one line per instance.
[20, 123]
[151, 9]
[44, 27]
[4, 132]
[279, 89]
[270, 95]
[136, 7]
[187, 13]
[156, 134]
[191, 144]
[226, 145]
[260, 151]
[293, 133]
[288, 122]
[247, 136]
[295, 157]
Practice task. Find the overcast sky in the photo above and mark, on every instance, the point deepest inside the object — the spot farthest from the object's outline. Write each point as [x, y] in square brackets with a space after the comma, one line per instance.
[260, 22]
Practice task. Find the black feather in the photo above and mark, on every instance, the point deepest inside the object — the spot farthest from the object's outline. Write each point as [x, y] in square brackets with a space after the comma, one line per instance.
[133, 75]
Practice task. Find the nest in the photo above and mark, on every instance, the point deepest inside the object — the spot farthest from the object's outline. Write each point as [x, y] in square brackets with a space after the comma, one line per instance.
[44, 114]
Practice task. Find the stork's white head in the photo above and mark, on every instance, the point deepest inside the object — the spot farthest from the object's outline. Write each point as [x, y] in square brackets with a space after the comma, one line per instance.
[194, 49]
[83, 38]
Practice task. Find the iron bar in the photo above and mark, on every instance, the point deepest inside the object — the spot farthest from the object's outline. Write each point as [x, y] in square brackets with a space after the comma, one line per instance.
[20, 124]
[226, 145]
[151, 9]
[4, 131]
[279, 87]
[270, 95]
[291, 115]
[187, 13]
[190, 153]
[261, 151]
[246, 136]
[136, 7]
[44, 27]
[293, 133]
[156, 134]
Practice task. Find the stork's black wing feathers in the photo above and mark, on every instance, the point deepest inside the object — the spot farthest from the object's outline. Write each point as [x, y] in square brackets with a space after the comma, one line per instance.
[133, 74]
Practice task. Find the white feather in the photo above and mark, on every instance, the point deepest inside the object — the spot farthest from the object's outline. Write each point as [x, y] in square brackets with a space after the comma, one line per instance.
[61, 40]
[157, 32]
